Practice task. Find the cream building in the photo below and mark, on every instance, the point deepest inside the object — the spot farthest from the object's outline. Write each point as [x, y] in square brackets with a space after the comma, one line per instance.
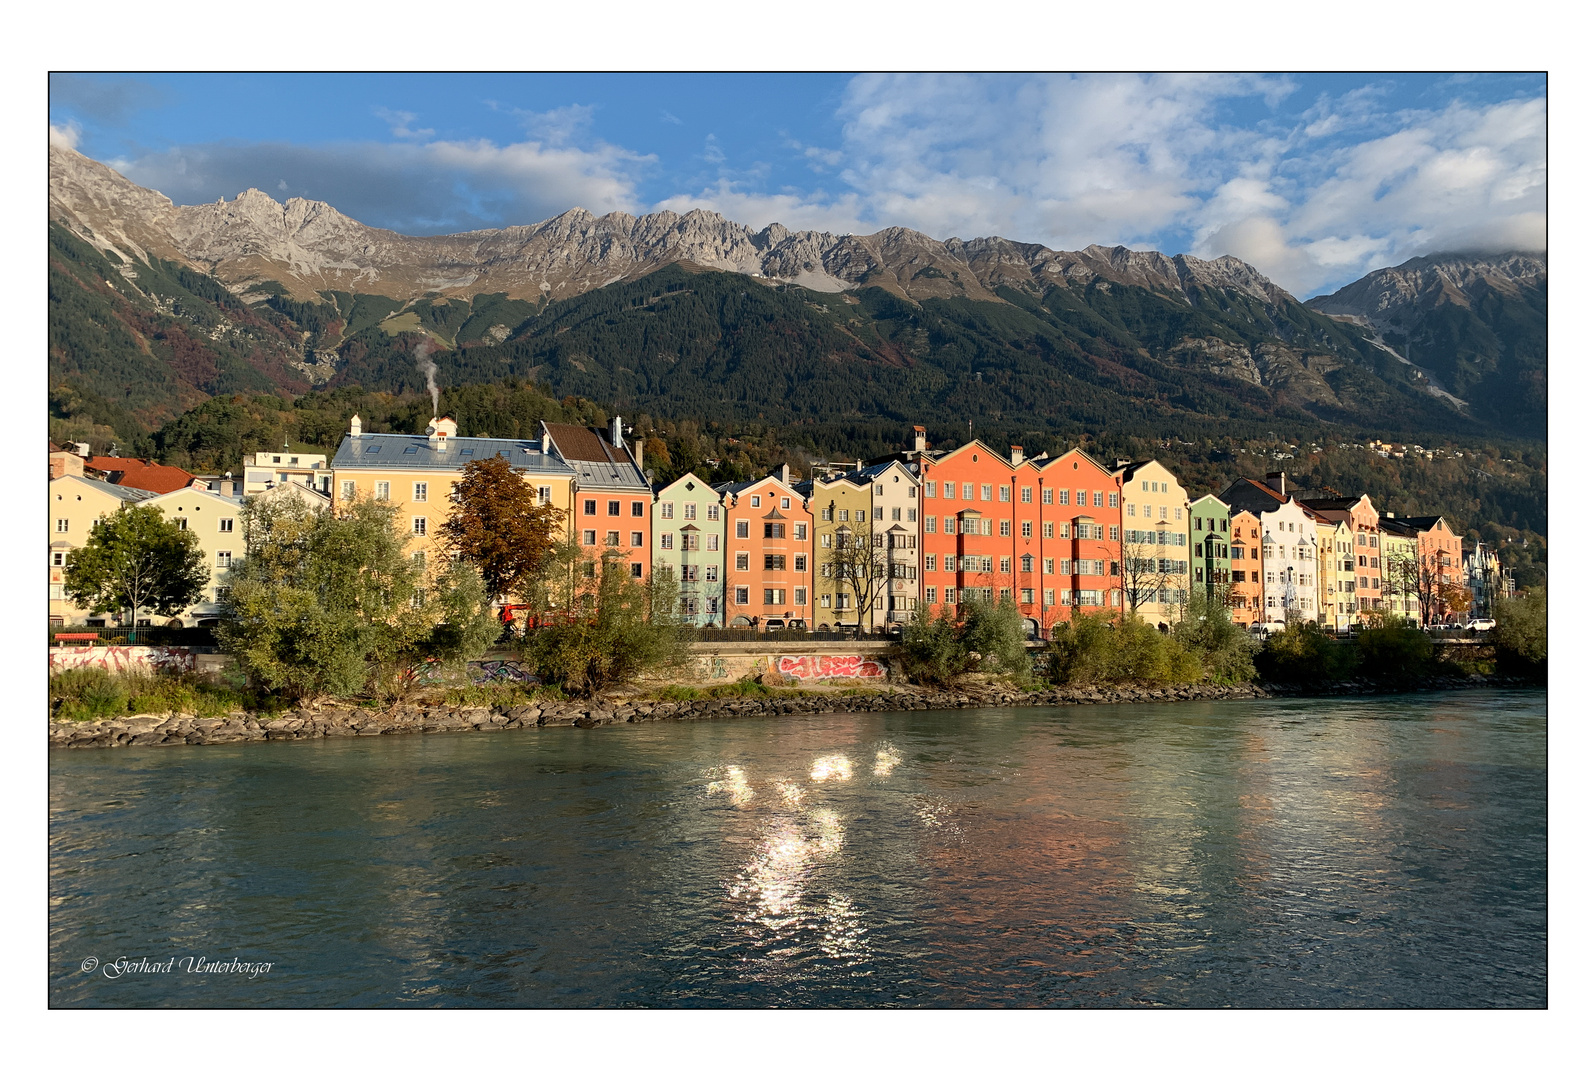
[263, 471]
[880, 502]
[76, 503]
[1334, 572]
[216, 521]
[1154, 527]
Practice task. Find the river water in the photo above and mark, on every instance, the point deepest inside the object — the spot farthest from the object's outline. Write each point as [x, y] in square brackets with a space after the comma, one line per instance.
[1360, 852]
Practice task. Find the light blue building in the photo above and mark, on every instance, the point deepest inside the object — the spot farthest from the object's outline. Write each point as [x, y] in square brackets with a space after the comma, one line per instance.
[688, 537]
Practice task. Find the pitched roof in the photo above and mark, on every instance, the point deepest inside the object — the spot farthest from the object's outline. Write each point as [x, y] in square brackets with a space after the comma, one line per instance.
[137, 473]
[1253, 496]
[386, 451]
[598, 464]
[1421, 524]
[119, 491]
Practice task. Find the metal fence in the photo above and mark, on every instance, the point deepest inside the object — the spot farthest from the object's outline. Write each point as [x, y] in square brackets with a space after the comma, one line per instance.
[754, 634]
[198, 638]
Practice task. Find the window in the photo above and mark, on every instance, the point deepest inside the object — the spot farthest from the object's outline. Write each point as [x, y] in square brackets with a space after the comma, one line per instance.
[1050, 568]
[928, 489]
[827, 514]
[801, 531]
[589, 537]
[223, 560]
[63, 525]
[878, 513]
[544, 495]
[639, 509]
[930, 523]
[690, 541]
[845, 515]
[784, 502]
[1116, 532]
[420, 491]
[773, 596]
[743, 560]
[589, 507]
[1006, 565]
[930, 595]
[665, 541]
[1099, 498]
[1028, 530]
[347, 488]
[1006, 527]
[1050, 597]
[1026, 494]
[827, 540]
[382, 490]
[667, 510]
[773, 562]
[984, 492]
[1028, 564]
[182, 523]
[636, 569]
[757, 500]
[613, 507]
[823, 601]
[773, 530]
[223, 594]
[713, 511]
[1083, 498]
[417, 526]
[967, 492]
[1048, 530]
[1006, 493]
[637, 539]
[712, 572]
[1113, 499]
[743, 529]
[932, 562]
[611, 538]
[801, 564]
[1063, 496]
[57, 558]
[1028, 596]
[419, 559]
[801, 597]
[741, 593]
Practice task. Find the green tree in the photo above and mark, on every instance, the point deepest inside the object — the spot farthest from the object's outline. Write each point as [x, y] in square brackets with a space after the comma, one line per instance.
[606, 628]
[498, 524]
[331, 605]
[1392, 648]
[137, 560]
[1224, 652]
[1099, 649]
[1521, 637]
[939, 649]
[1305, 653]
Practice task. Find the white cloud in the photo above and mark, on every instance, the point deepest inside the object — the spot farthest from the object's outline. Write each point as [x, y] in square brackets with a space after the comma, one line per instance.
[68, 134]
[400, 122]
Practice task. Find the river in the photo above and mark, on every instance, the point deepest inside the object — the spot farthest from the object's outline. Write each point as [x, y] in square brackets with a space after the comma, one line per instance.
[1330, 852]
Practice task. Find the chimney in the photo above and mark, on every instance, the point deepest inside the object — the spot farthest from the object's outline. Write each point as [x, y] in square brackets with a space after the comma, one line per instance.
[78, 448]
[354, 425]
[616, 432]
[636, 452]
[1017, 455]
[440, 431]
[920, 438]
[784, 475]
[1278, 482]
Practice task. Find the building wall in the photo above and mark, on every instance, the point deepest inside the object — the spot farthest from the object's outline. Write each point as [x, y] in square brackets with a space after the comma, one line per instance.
[688, 536]
[843, 502]
[78, 505]
[1155, 504]
[217, 523]
[1442, 549]
[1335, 573]
[894, 513]
[1210, 524]
[1245, 551]
[774, 581]
[619, 519]
[262, 469]
[1400, 597]
[1289, 562]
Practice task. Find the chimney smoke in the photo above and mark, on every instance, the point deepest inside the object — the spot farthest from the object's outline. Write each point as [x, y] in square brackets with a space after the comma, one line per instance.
[428, 368]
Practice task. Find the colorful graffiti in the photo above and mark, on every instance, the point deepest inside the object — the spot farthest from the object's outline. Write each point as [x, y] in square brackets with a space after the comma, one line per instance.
[122, 658]
[831, 667]
[712, 667]
[480, 672]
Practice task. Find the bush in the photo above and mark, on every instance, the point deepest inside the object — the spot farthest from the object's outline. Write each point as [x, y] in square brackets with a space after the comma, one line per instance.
[1305, 653]
[1521, 637]
[1098, 649]
[938, 650]
[1224, 652]
[83, 694]
[1393, 649]
[613, 631]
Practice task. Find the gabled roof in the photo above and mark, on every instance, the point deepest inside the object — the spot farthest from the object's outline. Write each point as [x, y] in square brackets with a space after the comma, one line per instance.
[598, 464]
[734, 488]
[389, 451]
[688, 477]
[1253, 496]
[145, 475]
[198, 493]
[1421, 524]
[119, 491]
[1050, 463]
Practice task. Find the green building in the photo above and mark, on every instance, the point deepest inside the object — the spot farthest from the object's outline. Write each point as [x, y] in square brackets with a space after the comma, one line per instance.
[1208, 535]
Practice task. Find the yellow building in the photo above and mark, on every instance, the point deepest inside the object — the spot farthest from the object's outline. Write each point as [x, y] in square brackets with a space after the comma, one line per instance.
[1335, 562]
[1155, 569]
[215, 521]
[416, 473]
[842, 508]
[76, 503]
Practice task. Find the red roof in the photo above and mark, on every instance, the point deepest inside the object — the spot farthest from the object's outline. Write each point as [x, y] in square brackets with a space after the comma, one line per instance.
[137, 473]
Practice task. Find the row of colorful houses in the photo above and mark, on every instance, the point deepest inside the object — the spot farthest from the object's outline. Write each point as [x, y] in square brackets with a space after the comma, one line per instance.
[871, 543]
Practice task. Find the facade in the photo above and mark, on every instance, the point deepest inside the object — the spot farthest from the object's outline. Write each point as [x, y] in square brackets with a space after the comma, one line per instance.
[417, 473]
[611, 495]
[768, 572]
[1400, 570]
[1244, 549]
[1440, 567]
[1210, 525]
[842, 509]
[215, 521]
[1366, 560]
[1289, 563]
[688, 537]
[1335, 596]
[1155, 546]
[893, 495]
[76, 503]
[880, 504]
[262, 471]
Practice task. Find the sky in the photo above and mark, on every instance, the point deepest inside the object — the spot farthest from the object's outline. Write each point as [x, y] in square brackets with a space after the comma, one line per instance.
[1314, 179]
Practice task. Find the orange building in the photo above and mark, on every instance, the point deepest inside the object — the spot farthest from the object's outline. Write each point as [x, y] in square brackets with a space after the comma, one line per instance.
[612, 496]
[768, 572]
[1442, 565]
[1045, 533]
[1361, 517]
[1244, 551]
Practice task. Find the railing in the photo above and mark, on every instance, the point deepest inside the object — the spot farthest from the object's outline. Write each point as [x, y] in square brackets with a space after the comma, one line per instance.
[199, 638]
[754, 634]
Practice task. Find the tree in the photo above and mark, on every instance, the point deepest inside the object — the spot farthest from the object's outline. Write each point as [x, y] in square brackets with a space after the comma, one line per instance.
[331, 605]
[1521, 637]
[1225, 652]
[1143, 573]
[989, 637]
[1401, 576]
[137, 560]
[859, 562]
[611, 629]
[500, 527]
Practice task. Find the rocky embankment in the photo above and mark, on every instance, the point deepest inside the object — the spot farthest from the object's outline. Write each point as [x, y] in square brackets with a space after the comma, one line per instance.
[342, 722]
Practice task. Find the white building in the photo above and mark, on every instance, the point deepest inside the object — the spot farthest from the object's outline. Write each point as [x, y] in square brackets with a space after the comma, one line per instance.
[1289, 563]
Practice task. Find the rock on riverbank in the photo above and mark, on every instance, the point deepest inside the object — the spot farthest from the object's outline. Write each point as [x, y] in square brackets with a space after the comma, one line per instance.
[341, 722]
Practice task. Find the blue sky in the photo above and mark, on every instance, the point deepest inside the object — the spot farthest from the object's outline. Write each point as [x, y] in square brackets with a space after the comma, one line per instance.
[1315, 179]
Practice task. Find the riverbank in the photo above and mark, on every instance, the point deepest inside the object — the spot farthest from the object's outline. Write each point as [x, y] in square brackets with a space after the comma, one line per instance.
[344, 722]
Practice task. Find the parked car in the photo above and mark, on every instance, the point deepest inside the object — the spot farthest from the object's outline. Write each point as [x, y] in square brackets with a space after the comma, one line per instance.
[1480, 624]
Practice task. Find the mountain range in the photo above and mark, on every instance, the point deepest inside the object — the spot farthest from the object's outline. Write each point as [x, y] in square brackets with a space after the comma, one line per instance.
[155, 307]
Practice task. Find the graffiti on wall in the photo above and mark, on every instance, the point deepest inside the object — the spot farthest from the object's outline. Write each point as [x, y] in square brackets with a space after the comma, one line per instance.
[480, 672]
[712, 667]
[122, 658]
[831, 667]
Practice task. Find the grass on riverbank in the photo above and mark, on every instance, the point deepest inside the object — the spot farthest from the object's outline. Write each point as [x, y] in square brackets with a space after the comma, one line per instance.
[84, 694]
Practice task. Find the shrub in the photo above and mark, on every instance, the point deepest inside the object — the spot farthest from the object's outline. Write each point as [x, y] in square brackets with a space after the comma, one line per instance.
[1098, 649]
[83, 694]
[1521, 637]
[1305, 653]
[938, 650]
[1225, 653]
[1393, 649]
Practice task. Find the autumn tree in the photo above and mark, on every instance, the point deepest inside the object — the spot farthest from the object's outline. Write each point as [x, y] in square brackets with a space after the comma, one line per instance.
[500, 526]
[137, 560]
[859, 562]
